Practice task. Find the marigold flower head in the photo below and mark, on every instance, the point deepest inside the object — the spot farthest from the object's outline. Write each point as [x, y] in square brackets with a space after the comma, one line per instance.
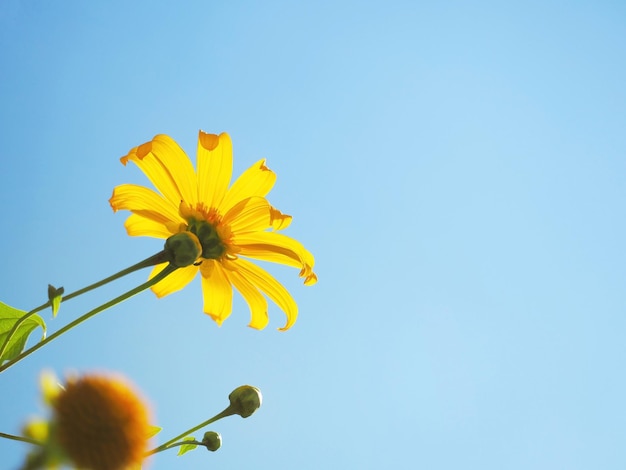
[101, 423]
[98, 423]
[231, 224]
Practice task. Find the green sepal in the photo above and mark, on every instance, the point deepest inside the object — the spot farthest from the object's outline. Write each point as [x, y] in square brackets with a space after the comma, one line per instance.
[9, 318]
[187, 447]
[153, 431]
[55, 295]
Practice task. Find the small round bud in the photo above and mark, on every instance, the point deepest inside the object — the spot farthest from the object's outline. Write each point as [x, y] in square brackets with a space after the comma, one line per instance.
[245, 400]
[184, 249]
[212, 440]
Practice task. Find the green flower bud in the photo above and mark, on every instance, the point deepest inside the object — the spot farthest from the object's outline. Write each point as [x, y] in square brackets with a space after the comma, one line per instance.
[184, 249]
[245, 400]
[212, 440]
[54, 296]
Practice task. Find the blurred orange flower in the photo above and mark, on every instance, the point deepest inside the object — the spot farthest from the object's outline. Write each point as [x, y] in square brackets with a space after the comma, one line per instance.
[99, 423]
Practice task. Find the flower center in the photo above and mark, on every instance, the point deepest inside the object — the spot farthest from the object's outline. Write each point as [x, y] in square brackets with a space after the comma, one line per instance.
[101, 424]
[212, 245]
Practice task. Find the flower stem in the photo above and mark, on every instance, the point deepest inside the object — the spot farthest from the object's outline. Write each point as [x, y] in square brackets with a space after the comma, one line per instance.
[172, 442]
[151, 261]
[165, 272]
[20, 438]
[182, 443]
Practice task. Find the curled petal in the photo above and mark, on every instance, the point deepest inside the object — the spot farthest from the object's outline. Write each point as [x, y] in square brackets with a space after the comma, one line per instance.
[216, 291]
[277, 248]
[256, 181]
[263, 281]
[173, 282]
[278, 220]
[255, 300]
[168, 167]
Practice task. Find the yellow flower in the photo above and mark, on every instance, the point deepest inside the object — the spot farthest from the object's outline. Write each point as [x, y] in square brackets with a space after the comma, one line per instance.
[231, 224]
[98, 423]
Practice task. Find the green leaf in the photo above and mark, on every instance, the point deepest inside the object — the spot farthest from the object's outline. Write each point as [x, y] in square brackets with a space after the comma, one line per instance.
[55, 295]
[25, 324]
[187, 447]
[153, 431]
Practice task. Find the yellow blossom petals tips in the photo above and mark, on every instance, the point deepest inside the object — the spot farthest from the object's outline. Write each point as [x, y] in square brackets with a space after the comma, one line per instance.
[278, 248]
[256, 302]
[168, 167]
[279, 220]
[215, 167]
[230, 223]
[145, 202]
[257, 181]
[264, 282]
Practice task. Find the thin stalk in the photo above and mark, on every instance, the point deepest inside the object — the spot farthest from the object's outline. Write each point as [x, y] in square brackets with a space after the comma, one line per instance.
[165, 272]
[151, 261]
[182, 443]
[172, 442]
[20, 438]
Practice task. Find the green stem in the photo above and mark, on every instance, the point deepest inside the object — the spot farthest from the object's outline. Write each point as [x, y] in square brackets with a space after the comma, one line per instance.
[151, 261]
[165, 272]
[20, 438]
[172, 442]
[182, 443]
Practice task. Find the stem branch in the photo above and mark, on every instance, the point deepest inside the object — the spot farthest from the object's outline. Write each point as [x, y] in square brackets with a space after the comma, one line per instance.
[151, 261]
[172, 442]
[20, 438]
[165, 272]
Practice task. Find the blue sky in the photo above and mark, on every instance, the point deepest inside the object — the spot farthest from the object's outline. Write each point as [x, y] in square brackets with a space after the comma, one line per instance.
[457, 169]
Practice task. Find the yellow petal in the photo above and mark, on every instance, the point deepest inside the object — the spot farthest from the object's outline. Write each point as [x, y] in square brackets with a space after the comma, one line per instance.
[277, 248]
[216, 291]
[248, 215]
[278, 220]
[256, 181]
[37, 429]
[215, 167]
[138, 226]
[175, 281]
[144, 202]
[50, 387]
[255, 300]
[264, 281]
[168, 167]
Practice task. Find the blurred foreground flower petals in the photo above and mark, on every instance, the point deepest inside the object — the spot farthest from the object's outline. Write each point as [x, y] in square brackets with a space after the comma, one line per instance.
[98, 422]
